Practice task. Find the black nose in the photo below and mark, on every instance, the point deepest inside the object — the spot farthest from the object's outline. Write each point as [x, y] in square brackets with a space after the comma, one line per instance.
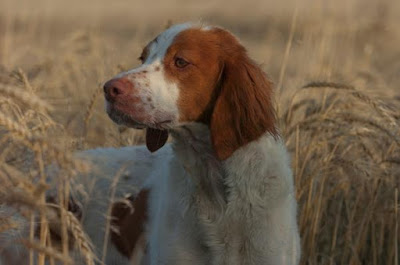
[116, 88]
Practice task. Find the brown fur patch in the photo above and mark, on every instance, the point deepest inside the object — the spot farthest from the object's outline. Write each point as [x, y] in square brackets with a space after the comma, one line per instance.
[221, 87]
[129, 222]
[197, 81]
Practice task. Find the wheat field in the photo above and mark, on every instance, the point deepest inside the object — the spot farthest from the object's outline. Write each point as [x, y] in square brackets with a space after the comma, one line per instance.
[336, 70]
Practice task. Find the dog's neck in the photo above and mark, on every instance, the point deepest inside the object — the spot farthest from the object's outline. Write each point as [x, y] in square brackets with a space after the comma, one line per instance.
[211, 176]
[193, 148]
[192, 145]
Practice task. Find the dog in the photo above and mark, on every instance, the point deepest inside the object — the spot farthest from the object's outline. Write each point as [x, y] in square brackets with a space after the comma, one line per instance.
[223, 191]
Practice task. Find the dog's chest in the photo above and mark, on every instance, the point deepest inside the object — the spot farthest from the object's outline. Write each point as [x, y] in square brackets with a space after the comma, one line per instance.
[203, 198]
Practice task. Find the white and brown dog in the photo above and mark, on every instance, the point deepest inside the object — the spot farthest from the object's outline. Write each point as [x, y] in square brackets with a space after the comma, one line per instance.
[222, 192]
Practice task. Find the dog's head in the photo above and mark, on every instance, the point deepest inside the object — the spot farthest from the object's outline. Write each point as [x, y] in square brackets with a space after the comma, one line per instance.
[193, 73]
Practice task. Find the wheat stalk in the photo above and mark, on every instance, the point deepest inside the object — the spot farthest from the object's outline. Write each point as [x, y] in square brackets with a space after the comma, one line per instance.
[36, 140]
[109, 210]
[24, 78]
[13, 126]
[49, 251]
[379, 106]
[90, 107]
[25, 97]
[81, 240]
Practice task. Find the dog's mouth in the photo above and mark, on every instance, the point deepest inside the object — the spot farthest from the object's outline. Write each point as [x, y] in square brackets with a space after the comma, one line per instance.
[156, 134]
[121, 118]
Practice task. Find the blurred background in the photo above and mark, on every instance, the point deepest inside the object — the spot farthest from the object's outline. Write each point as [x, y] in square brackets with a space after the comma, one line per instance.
[68, 48]
[336, 70]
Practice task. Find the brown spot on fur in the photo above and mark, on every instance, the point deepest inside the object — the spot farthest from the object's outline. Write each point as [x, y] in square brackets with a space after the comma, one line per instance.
[157, 68]
[199, 78]
[221, 87]
[130, 222]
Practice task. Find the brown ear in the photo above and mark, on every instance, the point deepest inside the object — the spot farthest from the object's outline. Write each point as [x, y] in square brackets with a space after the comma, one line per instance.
[243, 110]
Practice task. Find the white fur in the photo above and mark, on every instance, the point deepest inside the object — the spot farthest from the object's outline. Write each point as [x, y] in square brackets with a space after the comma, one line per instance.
[248, 217]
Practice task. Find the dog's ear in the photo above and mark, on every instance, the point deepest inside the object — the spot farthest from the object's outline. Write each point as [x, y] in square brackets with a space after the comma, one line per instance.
[243, 109]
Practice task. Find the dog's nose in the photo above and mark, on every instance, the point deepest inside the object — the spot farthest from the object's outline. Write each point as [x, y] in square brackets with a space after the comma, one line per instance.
[116, 88]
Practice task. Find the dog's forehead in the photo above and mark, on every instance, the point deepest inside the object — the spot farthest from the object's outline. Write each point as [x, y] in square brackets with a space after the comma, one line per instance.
[159, 46]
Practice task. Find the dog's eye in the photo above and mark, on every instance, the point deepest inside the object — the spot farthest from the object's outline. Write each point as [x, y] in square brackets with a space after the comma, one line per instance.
[180, 63]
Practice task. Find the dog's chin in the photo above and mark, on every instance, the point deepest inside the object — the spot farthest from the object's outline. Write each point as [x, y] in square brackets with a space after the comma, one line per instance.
[124, 119]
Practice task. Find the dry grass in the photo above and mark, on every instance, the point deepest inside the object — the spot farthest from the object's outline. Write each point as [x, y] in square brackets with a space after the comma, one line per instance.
[337, 69]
